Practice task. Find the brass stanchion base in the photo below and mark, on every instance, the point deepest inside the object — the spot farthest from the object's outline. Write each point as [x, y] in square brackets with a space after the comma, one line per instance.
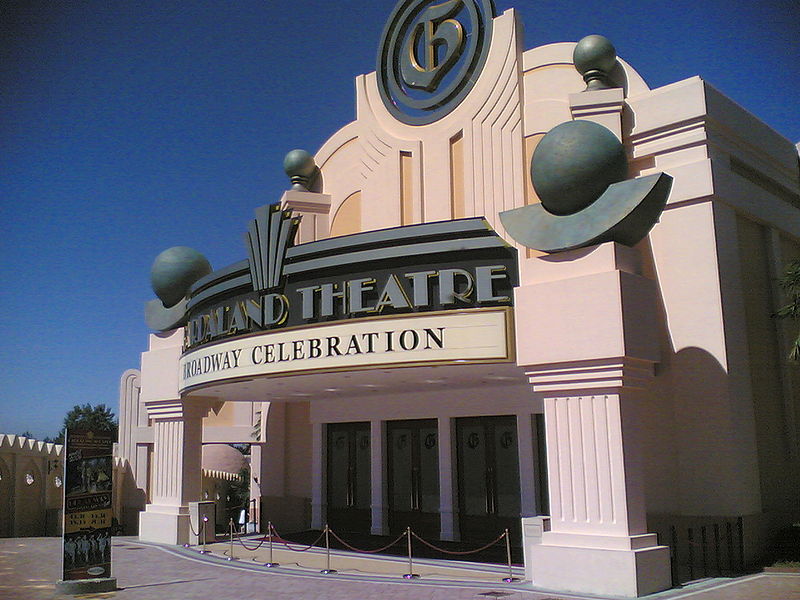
[231, 558]
[510, 579]
[187, 545]
[328, 571]
[411, 576]
[204, 551]
[270, 564]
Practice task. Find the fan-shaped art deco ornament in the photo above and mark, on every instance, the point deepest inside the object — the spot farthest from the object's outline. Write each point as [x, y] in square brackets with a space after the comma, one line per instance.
[177, 270]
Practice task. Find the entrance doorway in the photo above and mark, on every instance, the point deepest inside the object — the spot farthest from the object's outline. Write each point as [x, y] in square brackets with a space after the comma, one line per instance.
[348, 473]
[413, 477]
[488, 478]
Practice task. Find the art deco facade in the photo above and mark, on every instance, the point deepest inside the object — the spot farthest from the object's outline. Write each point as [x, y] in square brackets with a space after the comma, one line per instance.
[620, 392]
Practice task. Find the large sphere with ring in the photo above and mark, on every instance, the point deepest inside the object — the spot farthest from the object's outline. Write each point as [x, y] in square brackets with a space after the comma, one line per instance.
[174, 271]
[574, 163]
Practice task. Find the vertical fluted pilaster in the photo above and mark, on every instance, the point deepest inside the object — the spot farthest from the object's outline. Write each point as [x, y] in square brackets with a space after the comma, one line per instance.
[177, 439]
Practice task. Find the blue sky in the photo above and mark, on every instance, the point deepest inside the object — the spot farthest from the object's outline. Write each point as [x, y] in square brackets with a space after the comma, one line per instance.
[130, 127]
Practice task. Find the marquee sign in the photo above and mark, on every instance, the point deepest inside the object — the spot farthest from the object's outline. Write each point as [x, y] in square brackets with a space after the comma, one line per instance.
[476, 335]
[450, 265]
[430, 56]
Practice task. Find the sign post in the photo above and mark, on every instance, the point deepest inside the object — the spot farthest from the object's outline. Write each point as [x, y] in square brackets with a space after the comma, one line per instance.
[88, 472]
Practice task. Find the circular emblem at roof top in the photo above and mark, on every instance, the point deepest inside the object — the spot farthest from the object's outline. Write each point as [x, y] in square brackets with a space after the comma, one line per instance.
[430, 55]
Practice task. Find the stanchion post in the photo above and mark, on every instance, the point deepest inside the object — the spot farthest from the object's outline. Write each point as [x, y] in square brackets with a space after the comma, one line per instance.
[203, 533]
[510, 578]
[187, 544]
[271, 562]
[328, 570]
[410, 574]
[230, 526]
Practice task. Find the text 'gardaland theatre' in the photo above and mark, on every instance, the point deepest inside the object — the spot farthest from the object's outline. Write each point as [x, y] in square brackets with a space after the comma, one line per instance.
[521, 290]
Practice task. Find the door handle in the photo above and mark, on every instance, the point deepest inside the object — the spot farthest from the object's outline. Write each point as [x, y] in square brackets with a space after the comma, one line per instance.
[491, 507]
[415, 488]
[350, 492]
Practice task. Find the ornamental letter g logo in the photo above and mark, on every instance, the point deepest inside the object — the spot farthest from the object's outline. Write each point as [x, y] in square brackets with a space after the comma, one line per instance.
[436, 29]
[430, 56]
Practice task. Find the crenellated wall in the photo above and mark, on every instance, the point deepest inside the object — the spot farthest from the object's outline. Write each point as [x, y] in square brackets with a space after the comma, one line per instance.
[31, 480]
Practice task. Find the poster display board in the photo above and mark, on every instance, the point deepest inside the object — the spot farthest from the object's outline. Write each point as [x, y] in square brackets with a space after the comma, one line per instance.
[87, 505]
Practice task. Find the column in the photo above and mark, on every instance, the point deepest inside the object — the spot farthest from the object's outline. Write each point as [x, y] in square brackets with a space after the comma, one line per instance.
[177, 453]
[594, 469]
[268, 464]
[319, 507]
[258, 459]
[377, 461]
[448, 495]
[587, 339]
[527, 469]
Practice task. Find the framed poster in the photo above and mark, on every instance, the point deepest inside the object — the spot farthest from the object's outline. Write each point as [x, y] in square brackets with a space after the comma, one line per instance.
[88, 471]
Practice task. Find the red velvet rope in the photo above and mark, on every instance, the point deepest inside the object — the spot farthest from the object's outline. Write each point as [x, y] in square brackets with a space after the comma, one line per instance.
[280, 540]
[354, 549]
[277, 538]
[250, 549]
[464, 553]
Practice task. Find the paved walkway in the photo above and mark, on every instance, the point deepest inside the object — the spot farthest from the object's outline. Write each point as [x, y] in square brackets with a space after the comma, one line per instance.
[29, 566]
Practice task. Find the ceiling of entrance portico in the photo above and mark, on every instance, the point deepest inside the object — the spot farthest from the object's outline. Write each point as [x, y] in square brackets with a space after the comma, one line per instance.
[351, 384]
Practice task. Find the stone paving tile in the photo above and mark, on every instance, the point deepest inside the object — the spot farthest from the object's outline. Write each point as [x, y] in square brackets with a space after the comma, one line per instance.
[29, 566]
[763, 586]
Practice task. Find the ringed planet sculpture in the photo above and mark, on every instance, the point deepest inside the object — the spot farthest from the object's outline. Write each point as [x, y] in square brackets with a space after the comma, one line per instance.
[172, 274]
[578, 170]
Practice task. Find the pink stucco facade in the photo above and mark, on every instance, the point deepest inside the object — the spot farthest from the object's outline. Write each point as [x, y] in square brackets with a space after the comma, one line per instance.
[648, 385]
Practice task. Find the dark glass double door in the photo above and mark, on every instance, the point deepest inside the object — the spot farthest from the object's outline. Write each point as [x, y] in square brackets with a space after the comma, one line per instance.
[488, 482]
[348, 477]
[487, 475]
[412, 455]
[412, 449]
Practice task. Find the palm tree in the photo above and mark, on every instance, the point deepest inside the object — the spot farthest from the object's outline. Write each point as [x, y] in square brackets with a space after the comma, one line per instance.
[790, 281]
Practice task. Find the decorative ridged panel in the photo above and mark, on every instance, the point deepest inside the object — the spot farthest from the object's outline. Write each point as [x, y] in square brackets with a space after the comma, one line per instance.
[167, 477]
[586, 462]
[374, 151]
[166, 409]
[583, 465]
[591, 375]
[129, 387]
[380, 160]
[495, 152]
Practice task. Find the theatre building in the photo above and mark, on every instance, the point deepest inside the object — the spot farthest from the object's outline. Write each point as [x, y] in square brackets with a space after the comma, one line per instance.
[520, 290]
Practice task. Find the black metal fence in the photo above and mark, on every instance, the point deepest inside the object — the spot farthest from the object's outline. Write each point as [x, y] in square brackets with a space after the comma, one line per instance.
[701, 548]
